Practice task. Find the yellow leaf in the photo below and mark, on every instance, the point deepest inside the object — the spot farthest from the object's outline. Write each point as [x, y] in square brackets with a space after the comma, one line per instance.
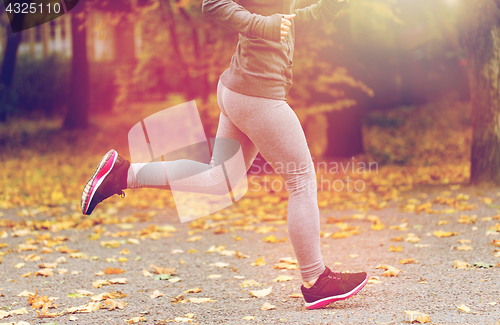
[156, 294]
[283, 278]
[464, 308]
[124, 252]
[249, 283]
[467, 219]
[45, 272]
[461, 264]
[416, 316]
[220, 264]
[200, 300]
[296, 295]
[110, 270]
[134, 320]
[390, 270]
[439, 233]
[267, 306]
[240, 255]
[100, 283]
[195, 290]
[118, 281]
[261, 293]
[395, 249]
[259, 262]
[407, 261]
[487, 200]
[377, 226]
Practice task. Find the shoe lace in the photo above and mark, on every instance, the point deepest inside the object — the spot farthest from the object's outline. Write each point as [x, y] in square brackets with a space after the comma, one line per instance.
[122, 194]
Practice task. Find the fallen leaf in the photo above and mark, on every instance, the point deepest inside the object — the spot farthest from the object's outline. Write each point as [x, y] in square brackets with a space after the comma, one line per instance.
[483, 265]
[249, 283]
[283, 278]
[373, 280]
[214, 276]
[100, 283]
[25, 293]
[200, 300]
[439, 233]
[407, 261]
[259, 262]
[395, 249]
[464, 308]
[416, 316]
[273, 239]
[112, 304]
[163, 270]
[390, 270]
[146, 272]
[195, 290]
[110, 270]
[156, 294]
[261, 293]
[267, 306]
[118, 281]
[45, 272]
[134, 320]
[461, 264]
[220, 264]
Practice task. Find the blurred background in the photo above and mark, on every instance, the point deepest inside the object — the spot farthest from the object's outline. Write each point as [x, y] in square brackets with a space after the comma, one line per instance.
[386, 81]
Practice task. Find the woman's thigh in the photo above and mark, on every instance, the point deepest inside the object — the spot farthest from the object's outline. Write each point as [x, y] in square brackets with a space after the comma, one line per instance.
[273, 127]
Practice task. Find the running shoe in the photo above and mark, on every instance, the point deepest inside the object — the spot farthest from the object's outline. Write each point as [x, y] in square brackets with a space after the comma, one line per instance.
[109, 178]
[333, 286]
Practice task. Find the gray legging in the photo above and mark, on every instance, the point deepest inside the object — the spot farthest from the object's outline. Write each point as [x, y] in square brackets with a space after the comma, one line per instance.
[271, 127]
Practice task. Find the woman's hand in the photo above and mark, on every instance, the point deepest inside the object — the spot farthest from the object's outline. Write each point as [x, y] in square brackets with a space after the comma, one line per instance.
[286, 22]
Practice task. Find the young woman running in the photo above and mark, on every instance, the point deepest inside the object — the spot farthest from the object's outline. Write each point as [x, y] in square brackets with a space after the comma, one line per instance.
[251, 95]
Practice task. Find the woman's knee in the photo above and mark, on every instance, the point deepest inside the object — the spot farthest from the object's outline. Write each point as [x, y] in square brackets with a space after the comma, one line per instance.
[301, 180]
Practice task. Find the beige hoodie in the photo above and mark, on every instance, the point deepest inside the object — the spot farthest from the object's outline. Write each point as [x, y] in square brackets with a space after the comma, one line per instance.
[262, 64]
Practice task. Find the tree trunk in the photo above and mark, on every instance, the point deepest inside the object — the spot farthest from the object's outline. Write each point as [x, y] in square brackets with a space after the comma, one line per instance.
[10, 58]
[78, 106]
[345, 137]
[344, 133]
[481, 38]
[9, 64]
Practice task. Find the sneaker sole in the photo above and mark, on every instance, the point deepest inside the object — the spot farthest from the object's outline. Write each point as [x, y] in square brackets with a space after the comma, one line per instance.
[105, 165]
[328, 300]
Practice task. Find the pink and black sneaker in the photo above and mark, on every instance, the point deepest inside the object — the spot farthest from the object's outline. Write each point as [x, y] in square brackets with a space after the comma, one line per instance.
[333, 286]
[109, 178]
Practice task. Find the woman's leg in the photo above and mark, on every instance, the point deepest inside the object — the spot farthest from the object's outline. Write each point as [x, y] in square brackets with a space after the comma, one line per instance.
[194, 176]
[276, 131]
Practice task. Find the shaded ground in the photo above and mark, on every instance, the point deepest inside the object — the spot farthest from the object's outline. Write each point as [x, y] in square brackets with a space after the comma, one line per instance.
[432, 286]
[418, 191]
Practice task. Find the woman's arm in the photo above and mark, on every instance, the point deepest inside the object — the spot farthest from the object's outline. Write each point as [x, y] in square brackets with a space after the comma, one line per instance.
[234, 16]
[316, 16]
